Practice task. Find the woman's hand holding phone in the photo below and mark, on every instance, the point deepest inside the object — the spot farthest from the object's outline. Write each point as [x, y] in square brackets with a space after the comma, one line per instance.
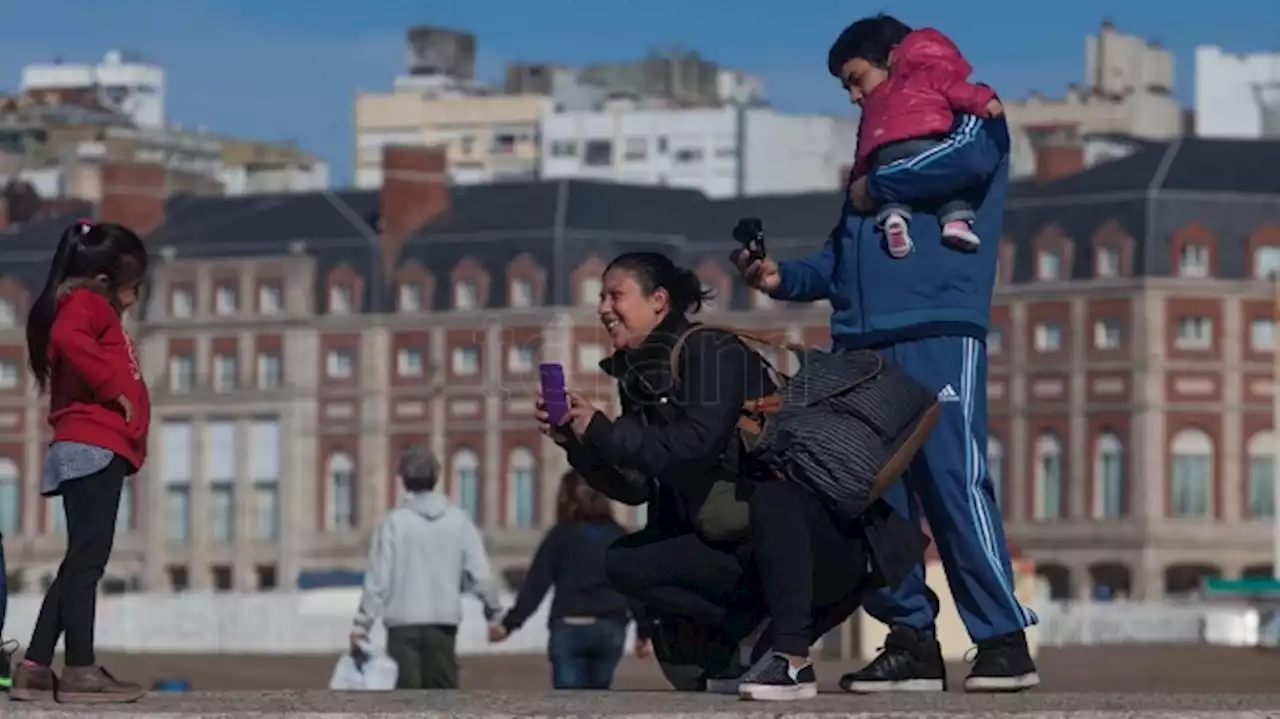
[560, 434]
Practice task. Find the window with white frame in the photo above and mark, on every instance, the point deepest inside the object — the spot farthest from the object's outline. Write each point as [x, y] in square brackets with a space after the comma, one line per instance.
[521, 359]
[1193, 260]
[590, 355]
[995, 341]
[57, 519]
[124, 514]
[1194, 333]
[8, 313]
[264, 469]
[341, 493]
[1048, 478]
[466, 361]
[268, 372]
[339, 300]
[1261, 499]
[522, 494]
[182, 373]
[409, 362]
[1048, 337]
[1191, 478]
[182, 303]
[177, 467]
[589, 290]
[465, 295]
[339, 363]
[1048, 265]
[1106, 262]
[225, 373]
[995, 467]
[1108, 477]
[220, 471]
[9, 374]
[1262, 334]
[465, 484]
[270, 298]
[1107, 334]
[409, 297]
[1266, 262]
[521, 293]
[225, 302]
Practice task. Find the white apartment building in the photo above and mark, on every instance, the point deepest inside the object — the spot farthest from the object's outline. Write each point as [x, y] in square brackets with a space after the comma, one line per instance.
[1237, 94]
[723, 152]
[133, 87]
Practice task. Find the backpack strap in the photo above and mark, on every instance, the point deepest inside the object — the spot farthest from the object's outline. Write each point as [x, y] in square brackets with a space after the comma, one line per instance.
[752, 341]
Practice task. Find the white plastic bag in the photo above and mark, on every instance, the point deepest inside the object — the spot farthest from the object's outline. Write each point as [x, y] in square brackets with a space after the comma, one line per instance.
[365, 668]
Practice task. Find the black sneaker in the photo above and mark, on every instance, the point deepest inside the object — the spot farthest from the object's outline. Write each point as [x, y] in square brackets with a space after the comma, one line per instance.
[7, 649]
[909, 661]
[1003, 664]
[773, 679]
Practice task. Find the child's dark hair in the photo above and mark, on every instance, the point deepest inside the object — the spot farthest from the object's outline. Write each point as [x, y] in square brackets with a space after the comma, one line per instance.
[100, 256]
[654, 271]
[870, 39]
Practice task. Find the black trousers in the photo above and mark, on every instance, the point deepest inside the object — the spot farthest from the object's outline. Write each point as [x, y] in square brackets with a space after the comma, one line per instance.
[426, 655]
[69, 607]
[800, 568]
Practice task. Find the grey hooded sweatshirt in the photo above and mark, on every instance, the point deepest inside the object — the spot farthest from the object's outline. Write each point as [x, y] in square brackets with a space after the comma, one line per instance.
[422, 557]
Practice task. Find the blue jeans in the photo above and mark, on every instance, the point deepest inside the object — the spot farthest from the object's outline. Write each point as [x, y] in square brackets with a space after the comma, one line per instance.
[583, 656]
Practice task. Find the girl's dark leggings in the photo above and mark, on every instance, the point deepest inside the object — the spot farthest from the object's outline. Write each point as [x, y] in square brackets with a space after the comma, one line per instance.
[91, 504]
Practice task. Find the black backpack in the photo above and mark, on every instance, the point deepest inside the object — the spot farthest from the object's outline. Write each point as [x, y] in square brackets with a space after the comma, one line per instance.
[846, 424]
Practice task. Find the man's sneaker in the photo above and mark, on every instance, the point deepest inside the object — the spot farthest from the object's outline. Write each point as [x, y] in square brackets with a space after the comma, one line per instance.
[1003, 664]
[774, 679]
[727, 680]
[95, 685]
[7, 649]
[909, 661]
[33, 683]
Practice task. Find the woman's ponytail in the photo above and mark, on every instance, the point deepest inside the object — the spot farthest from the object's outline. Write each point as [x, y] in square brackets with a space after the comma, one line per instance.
[687, 293]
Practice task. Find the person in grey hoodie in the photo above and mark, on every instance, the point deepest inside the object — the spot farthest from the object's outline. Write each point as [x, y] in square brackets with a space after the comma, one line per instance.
[424, 554]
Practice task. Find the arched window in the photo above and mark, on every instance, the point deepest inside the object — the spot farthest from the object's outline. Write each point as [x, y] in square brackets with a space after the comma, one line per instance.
[995, 467]
[1108, 477]
[10, 497]
[589, 291]
[342, 492]
[522, 495]
[124, 515]
[1262, 477]
[1191, 482]
[1048, 504]
[466, 482]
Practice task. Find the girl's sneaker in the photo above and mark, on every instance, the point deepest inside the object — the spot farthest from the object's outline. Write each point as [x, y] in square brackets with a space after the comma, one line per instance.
[897, 237]
[960, 233]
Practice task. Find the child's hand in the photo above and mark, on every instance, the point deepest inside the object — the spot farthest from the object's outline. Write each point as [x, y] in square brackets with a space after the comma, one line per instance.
[995, 109]
[858, 194]
[126, 407]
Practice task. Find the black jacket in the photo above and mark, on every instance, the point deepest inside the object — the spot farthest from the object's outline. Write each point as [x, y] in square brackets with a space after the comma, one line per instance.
[681, 433]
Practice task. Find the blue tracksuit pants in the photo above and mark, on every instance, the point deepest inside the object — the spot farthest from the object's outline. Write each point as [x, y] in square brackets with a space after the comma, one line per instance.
[950, 479]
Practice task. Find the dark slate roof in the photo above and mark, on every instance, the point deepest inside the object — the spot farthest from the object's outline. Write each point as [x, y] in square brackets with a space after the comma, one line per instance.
[26, 250]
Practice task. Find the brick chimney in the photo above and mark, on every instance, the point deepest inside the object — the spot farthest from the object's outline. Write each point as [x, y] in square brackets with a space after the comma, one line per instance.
[415, 188]
[133, 195]
[1059, 152]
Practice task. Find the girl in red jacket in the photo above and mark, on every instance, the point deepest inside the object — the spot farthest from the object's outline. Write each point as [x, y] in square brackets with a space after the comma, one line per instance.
[99, 411]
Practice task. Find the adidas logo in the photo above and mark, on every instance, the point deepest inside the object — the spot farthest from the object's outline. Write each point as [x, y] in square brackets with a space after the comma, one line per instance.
[948, 394]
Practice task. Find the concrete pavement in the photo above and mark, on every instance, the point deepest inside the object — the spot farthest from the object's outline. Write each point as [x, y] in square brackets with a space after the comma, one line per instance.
[651, 705]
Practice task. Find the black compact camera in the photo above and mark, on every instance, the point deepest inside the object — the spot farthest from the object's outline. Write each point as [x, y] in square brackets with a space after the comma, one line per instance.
[749, 232]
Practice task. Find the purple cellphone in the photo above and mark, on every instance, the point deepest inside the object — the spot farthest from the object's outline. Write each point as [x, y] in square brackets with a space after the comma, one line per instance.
[553, 394]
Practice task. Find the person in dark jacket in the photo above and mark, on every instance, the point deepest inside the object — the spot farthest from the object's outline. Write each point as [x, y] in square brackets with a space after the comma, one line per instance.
[673, 440]
[589, 618]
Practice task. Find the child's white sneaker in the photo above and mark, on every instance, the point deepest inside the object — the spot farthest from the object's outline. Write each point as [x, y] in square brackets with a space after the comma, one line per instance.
[960, 233]
[896, 236]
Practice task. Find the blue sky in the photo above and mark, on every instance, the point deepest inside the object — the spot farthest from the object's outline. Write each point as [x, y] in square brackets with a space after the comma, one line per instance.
[287, 69]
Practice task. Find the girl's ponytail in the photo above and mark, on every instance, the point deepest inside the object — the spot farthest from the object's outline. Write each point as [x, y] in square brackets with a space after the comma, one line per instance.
[40, 318]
